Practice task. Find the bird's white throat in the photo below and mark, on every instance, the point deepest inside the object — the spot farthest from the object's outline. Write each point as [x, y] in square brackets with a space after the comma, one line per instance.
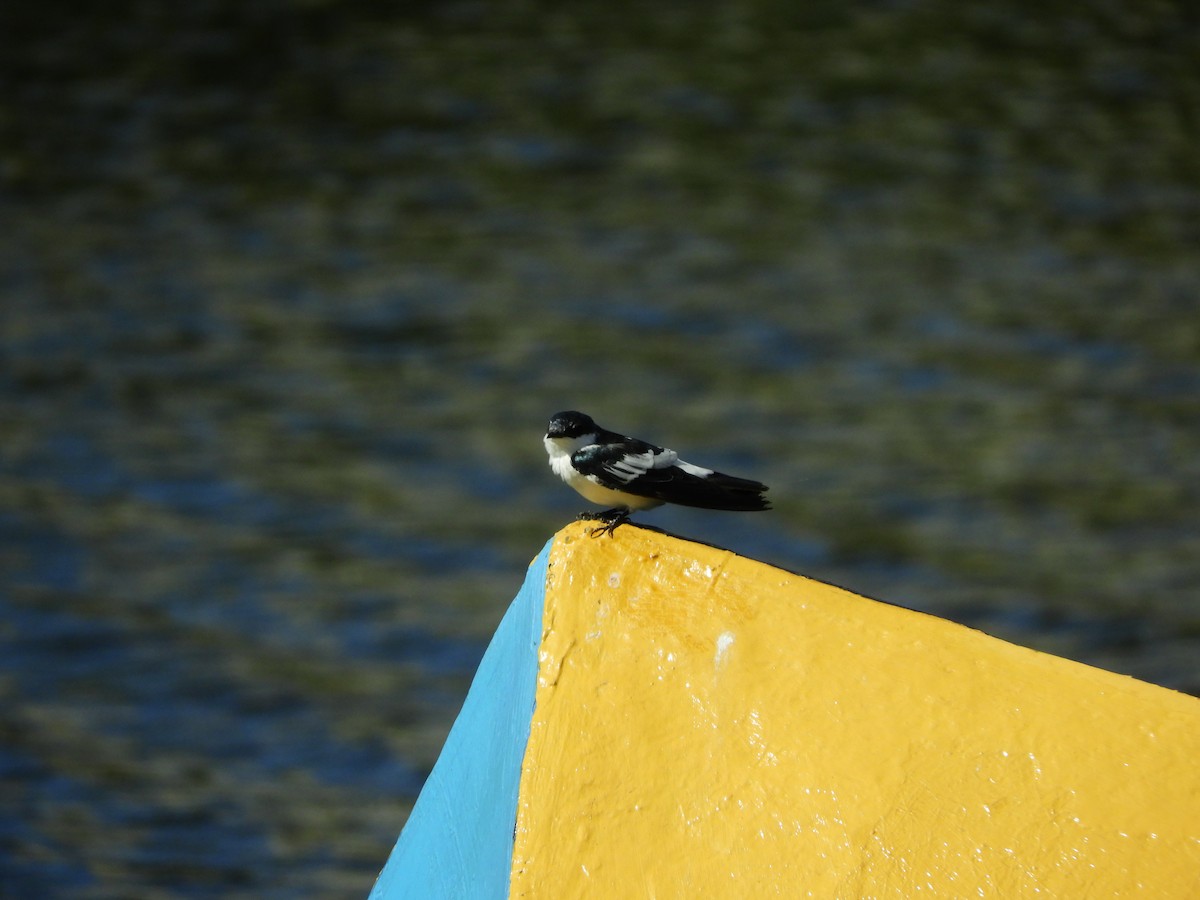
[560, 450]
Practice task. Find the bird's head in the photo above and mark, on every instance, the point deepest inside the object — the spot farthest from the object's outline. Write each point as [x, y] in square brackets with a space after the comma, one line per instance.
[570, 424]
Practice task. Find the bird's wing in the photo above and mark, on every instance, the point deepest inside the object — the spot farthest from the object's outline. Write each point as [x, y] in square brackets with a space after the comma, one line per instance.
[619, 465]
[645, 470]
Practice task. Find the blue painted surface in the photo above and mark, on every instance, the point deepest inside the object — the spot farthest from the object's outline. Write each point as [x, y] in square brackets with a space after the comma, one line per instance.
[459, 838]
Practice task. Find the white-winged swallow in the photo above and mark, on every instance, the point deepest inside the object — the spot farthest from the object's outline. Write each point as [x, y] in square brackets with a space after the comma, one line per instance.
[626, 474]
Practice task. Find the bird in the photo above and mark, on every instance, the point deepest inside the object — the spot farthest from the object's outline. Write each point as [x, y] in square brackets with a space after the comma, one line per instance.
[627, 474]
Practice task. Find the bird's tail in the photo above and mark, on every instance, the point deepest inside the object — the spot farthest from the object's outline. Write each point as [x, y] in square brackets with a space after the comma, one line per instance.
[718, 491]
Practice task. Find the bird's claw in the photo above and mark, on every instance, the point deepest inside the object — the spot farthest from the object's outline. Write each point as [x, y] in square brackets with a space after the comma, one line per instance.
[610, 519]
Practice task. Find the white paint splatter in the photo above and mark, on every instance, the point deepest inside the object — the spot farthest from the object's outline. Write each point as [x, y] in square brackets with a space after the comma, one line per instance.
[724, 642]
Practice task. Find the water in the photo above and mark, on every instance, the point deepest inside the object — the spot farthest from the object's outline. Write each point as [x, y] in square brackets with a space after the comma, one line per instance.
[290, 290]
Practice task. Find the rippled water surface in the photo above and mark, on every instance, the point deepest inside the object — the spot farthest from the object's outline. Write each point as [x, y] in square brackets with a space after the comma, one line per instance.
[289, 289]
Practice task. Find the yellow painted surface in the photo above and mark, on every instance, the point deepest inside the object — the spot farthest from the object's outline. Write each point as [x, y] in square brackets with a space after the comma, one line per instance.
[708, 726]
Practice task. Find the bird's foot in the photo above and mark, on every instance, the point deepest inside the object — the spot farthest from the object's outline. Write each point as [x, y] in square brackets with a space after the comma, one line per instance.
[610, 518]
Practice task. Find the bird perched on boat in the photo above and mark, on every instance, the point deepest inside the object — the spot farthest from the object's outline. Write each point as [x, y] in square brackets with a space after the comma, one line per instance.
[626, 474]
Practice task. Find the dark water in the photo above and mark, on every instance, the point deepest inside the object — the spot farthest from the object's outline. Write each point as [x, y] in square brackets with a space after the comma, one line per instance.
[289, 289]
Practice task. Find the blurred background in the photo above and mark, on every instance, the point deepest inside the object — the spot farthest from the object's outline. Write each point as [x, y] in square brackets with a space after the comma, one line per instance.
[289, 288]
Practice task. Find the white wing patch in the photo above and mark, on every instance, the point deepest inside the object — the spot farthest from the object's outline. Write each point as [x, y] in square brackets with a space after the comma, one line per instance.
[634, 465]
[630, 466]
[698, 471]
